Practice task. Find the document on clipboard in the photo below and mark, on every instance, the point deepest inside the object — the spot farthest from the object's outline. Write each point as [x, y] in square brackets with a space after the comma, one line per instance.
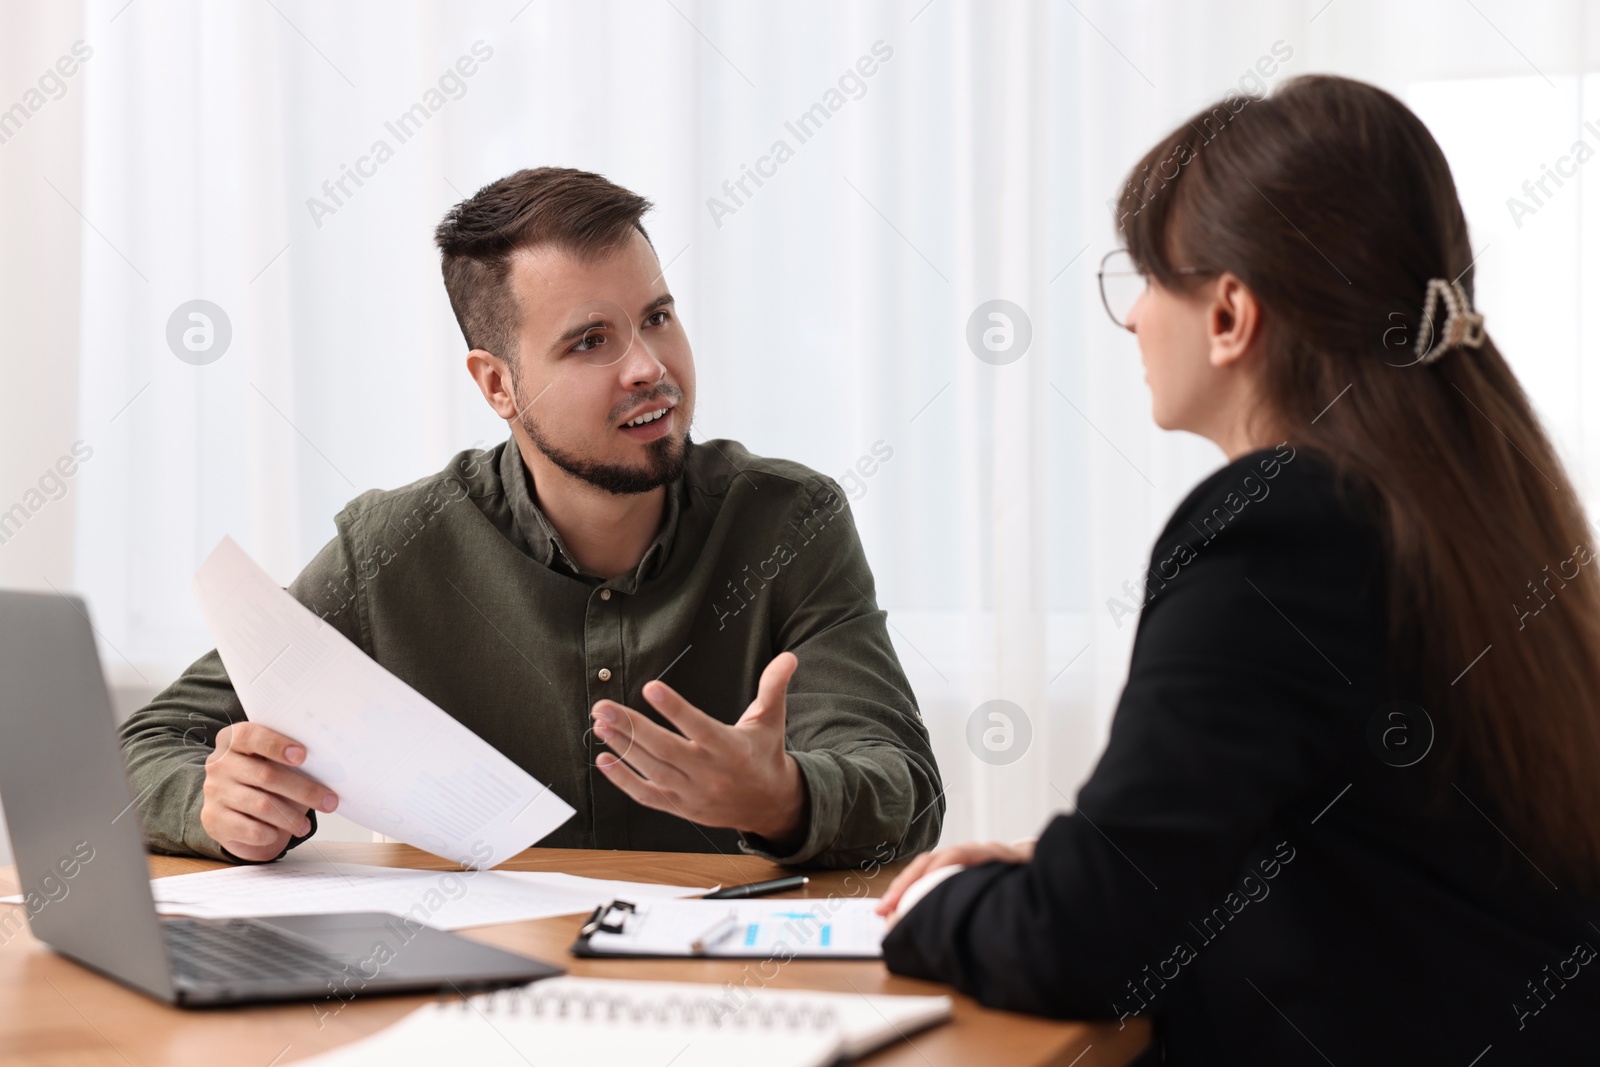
[840, 928]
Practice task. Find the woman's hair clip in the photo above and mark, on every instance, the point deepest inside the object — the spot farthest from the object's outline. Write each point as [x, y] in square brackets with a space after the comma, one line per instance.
[1462, 325]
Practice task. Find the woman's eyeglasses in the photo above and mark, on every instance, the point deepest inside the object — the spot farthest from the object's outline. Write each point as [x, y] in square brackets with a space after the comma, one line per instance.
[1122, 283]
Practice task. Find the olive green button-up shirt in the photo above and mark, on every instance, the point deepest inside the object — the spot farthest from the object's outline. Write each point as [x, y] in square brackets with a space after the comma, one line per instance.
[458, 585]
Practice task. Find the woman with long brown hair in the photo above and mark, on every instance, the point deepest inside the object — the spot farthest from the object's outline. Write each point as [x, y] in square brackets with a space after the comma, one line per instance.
[1350, 807]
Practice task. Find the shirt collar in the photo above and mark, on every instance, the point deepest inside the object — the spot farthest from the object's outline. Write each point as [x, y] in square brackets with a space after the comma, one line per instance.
[543, 542]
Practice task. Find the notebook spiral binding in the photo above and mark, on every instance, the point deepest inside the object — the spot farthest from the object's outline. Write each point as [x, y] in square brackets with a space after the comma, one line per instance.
[716, 1012]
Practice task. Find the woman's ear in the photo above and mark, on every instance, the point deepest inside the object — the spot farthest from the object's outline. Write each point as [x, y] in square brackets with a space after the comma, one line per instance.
[1233, 321]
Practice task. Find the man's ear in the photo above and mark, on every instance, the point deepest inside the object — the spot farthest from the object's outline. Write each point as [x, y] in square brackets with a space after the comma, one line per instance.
[1233, 321]
[494, 381]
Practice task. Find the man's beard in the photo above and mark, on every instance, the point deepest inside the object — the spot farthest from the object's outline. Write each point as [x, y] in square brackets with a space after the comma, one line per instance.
[665, 459]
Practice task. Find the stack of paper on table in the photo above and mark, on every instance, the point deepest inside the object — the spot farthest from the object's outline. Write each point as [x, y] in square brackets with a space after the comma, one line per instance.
[448, 900]
[400, 764]
[604, 1022]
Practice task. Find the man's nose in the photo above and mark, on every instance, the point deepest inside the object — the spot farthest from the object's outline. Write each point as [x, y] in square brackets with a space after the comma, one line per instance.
[640, 366]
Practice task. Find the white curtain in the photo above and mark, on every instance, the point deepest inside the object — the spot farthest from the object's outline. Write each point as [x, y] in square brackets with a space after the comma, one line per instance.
[940, 156]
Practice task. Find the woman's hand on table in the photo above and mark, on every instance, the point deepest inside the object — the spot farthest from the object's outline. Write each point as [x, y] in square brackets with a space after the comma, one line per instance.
[968, 854]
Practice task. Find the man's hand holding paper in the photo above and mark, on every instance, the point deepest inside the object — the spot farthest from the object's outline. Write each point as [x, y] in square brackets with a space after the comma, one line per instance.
[255, 801]
[401, 764]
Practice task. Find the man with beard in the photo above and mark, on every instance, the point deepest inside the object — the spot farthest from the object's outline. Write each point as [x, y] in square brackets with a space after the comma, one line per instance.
[539, 591]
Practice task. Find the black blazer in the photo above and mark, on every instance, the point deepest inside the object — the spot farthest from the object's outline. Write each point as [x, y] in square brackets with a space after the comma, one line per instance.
[1271, 860]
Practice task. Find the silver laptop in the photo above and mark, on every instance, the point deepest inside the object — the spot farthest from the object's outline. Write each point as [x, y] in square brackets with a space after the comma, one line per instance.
[81, 862]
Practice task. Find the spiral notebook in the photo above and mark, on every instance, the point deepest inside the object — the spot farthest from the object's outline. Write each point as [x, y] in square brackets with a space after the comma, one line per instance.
[600, 1022]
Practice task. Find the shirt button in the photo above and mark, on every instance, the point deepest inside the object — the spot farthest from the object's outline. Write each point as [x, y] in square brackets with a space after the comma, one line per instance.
[604, 674]
[605, 594]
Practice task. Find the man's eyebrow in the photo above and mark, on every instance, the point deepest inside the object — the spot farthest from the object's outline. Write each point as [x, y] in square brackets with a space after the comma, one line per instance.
[664, 300]
[578, 331]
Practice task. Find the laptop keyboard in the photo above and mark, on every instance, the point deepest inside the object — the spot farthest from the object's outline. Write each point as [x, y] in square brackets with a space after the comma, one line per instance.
[240, 950]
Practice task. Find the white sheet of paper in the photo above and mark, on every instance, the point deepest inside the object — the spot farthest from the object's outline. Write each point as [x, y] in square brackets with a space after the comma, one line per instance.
[805, 928]
[398, 762]
[448, 900]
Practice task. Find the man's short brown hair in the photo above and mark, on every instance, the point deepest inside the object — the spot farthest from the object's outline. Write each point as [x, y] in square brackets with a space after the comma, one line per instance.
[577, 211]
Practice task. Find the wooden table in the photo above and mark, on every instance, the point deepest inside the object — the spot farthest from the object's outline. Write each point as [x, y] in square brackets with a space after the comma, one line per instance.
[54, 1013]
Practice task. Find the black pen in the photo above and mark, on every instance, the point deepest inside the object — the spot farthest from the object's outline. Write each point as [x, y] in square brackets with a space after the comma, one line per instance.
[759, 889]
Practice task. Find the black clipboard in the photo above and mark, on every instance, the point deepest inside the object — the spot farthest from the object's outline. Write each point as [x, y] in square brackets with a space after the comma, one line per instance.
[603, 919]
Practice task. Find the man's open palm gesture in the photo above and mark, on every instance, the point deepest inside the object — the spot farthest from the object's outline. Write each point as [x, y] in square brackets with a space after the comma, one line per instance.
[739, 776]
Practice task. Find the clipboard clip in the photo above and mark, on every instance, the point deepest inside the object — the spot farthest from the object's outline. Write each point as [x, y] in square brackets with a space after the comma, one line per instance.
[601, 919]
